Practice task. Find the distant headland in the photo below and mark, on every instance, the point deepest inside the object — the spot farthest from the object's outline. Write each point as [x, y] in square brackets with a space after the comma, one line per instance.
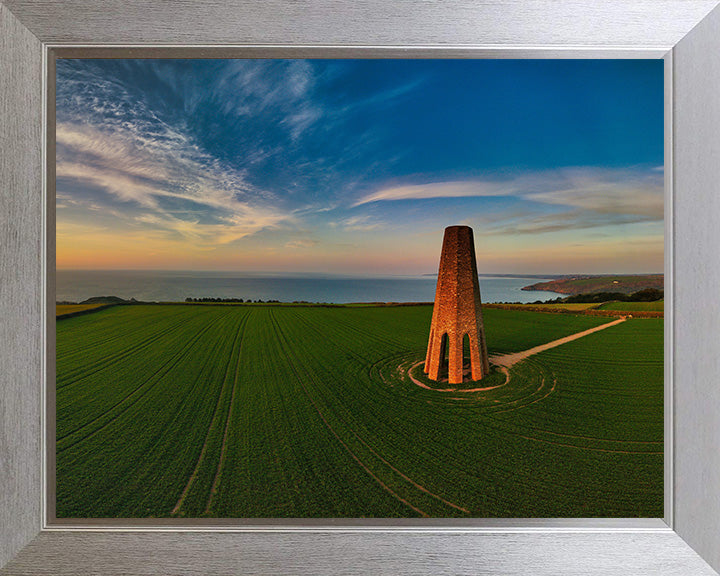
[588, 284]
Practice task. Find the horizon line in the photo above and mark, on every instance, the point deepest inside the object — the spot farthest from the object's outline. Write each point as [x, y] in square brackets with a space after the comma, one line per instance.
[295, 272]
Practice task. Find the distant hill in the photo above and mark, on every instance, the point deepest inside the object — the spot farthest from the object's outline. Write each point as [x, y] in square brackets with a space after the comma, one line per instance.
[626, 284]
[106, 300]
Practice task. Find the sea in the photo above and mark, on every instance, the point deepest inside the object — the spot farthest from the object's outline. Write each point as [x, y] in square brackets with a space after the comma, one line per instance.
[172, 286]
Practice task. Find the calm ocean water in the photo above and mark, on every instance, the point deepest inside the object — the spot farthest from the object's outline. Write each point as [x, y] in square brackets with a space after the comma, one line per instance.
[76, 286]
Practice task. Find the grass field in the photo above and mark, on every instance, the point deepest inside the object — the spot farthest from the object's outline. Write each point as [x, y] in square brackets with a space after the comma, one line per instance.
[61, 309]
[575, 306]
[658, 306]
[235, 411]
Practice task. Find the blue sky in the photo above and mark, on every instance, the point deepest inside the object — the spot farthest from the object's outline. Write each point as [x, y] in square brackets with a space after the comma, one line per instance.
[357, 166]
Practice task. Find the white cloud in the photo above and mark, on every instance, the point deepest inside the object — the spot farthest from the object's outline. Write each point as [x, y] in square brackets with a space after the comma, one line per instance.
[301, 243]
[609, 191]
[633, 198]
[357, 224]
[212, 235]
[449, 189]
[605, 191]
[546, 201]
[248, 88]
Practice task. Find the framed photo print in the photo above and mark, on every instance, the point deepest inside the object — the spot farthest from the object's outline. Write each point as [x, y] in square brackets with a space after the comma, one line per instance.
[288, 296]
[248, 322]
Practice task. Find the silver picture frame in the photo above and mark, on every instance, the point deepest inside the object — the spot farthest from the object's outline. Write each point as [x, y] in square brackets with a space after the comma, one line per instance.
[686, 33]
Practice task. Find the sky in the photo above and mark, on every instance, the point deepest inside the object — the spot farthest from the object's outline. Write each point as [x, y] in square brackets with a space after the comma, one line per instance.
[357, 166]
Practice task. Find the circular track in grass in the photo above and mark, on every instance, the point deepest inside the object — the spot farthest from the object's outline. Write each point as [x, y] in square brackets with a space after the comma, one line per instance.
[502, 390]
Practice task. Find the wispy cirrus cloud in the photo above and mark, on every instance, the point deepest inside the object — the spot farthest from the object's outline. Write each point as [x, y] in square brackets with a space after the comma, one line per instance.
[449, 189]
[360, 224]
[638, 192]
[156, 126]
[363, 223]
[246, 222]
[645, 201]
[280, 91]
[578, 197]
[532, 223]
[154, 175]
[301, 243]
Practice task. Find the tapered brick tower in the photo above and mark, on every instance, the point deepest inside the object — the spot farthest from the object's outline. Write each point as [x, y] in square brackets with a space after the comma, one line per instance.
[457, 310]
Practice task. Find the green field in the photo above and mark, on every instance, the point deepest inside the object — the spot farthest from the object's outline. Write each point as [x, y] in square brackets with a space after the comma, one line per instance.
[658, 306]
[265, 411]
[574, 306]
[61, 309]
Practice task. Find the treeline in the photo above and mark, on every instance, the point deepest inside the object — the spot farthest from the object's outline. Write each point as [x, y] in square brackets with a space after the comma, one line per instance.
[232, 300]
[646, 295]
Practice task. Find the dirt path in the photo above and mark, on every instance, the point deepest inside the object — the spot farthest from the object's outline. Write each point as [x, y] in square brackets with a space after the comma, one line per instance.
[505, 361]
[508, 360]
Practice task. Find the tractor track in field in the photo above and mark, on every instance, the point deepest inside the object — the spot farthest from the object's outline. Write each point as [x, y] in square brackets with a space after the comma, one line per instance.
[458, 390]
[187, 397]
[337, 436]
[139, 391]
[351, 328]
[113, 336]
[511, 404]
[530, 430]
[223, 449]
[367, 446]
[240, 330]
[106, 337]
[567, 445]
[107, 361]
[378, 364]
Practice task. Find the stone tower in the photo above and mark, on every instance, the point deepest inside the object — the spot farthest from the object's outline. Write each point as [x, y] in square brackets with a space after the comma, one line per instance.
[457, 310]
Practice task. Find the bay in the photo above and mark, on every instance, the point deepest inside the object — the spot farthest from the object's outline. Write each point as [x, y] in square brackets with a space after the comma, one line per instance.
[174, 286]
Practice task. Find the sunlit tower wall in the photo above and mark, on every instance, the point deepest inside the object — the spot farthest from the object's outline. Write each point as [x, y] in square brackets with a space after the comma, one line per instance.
[457, 311]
